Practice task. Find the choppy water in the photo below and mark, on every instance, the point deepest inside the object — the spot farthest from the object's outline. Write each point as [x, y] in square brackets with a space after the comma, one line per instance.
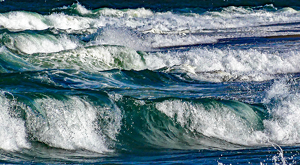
[212, 82]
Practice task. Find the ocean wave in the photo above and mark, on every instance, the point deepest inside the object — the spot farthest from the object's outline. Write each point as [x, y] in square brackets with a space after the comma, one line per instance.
[190, 124]
[203, 64]
[79, 9]
[217, 64]
[152, 81]
[114, 118]
[37, 43]
[65, 122]
[77, 17]
[93, 59]
[71, 123]
[12, 127]
[209, 123]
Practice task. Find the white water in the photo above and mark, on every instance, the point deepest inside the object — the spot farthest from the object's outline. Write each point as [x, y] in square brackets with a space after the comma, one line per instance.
[72, 124]
[30, 44]
[225, 64]
[238, 126]
[92, 59]
[142, 29]
[13, 135]
[145, 20]
[285, 126]
[206, 64]
[216, 120]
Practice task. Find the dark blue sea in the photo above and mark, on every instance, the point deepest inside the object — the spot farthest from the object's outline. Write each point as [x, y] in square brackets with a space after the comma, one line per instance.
[150, 82]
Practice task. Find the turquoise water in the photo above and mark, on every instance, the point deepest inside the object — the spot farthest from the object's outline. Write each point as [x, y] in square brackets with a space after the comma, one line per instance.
[203, 82]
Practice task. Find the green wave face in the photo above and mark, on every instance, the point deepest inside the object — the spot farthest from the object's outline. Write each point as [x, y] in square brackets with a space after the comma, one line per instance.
[189, 124]
[60, 115]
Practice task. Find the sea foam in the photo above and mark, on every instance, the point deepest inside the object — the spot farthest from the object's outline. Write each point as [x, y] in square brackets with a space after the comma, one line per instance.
[70, 124]
[36, 43]
[13, 135]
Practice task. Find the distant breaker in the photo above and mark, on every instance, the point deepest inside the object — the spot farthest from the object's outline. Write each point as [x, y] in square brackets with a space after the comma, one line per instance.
[161, 5]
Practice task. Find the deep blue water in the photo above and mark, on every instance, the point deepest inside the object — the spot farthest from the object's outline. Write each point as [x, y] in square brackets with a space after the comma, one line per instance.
[150, 82]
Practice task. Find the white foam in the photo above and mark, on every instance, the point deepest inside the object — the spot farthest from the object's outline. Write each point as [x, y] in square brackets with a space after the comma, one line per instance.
[96, 58]
[158, 41]
[121, 36]
[129, 13]
[283, 105]
[144, 19]
[170, 29]
[282, 128]
[213, 120]
[201, 63]
[81, 9]
[13, 135]
[29, 43]
[72, 123]
[19, 20]
[230, 17]
[241, 17]
[145, 40]
[237, 64]
[288, 10]
[63, 21]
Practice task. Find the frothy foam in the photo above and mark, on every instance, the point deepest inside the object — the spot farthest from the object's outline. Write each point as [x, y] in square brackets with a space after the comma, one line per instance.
[283, 105]
[13, 135]
[237, 123]
[221, 64]
[36, 43]
[19, 21]
[214, 120]
[203, 64]
[129, 13]
[22, 20]
[71, 124]
[63, 21]
[144, 20]
[94, 58]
